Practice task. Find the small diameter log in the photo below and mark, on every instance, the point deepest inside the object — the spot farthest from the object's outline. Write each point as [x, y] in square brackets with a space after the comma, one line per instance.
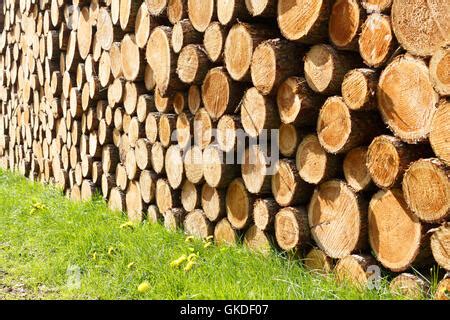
[128, 13]
[193, 165]
[87, 190]
[196, 224]
[217, 171]
[426, 188]
[157, 158]
[257, 240]
[440, 132]
[395, 233]
[145, 105]
[440, 245]
[151, 126]
[147, 184]
[273, 61]
[166, 197]
[213, 202]
[262, 8]
[340, 130]
[443, 289]
[356, 270]
[84, 34]
[240, 43]
[338, 219]
[376, 41]
[264, 211]
[304, 21]
[174, 166]
[149, 79]
[345, 22]
[194, 99]
[376, 5]
[136, 131]
[406, 98]
[156, 7]
[326, 67]
[153, 214]
[255, 170]
[193, 64]
[131, 167]
[355, 170]
[134, 203]
[105, 30]
[287, 187]
[388, 158]
[107, 184]
[258, 112]
[313, 163]
[409, 285]
[162, 60]
[220, 94]
[359, 89]
[190, 196]
[289, 139]
[184, 130]
[144, 25]
[173, 218]
[297, 103]
[116, 201]
[421, 27]
[291, 228]
[183, 34]
[317, 261]
[214, 41]
[239, 204]
[176, 10]
[132, 59]
[439, 74]
[231, 10]
[226, 132]
[224, 234]
[203, 127]
[201, 13]
[167, 125]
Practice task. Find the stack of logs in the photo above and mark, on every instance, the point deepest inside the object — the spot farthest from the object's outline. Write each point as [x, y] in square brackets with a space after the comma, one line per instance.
[92, 93]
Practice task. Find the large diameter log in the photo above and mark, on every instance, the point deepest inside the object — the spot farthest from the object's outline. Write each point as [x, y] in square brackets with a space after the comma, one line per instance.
[218, 172]
[255, 170]
[176, 10]
[440, 132]
[304, 21]
[291, 228]
[409, 285]
[313, 163]
[340, 130]
[439, 71]
[317, 261]
[421, 26]
[426, 188]
[297, 103]
[264, 211]
[287, 187]
[214, 41]
[162, 59]
[258, 112]
[345, 22]
[376, 41]
[213, 202]
[355, 170]
[257, 240]
[239, 204]
[201, 13]
[273, 61]
[355, 270]
[196, 224]
[220, 94]
[326, 67]
[359, 89]
[193, 64]
[388, 158]
[241, 41]
[132, 59]
[224, 234]
[338, 219]
[395, 234]
[440, 245]
[134, 203]
[406, 98]
[174, 166]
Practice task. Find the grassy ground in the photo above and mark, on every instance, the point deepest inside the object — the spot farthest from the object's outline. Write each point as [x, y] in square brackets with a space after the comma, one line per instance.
[48, 242]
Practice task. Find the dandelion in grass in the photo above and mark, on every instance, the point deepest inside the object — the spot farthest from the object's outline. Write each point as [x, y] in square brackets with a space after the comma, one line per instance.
[176, 263]
[189, 239]
[127, 224]
[190, 265]
[131, 265]
[144, 287]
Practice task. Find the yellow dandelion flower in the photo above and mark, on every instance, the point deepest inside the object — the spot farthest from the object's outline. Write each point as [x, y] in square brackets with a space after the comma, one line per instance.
[127, 224]
[144, 287]
[207, 244]
[130, 265]
[192, 256]
[189, 265]
[94, 255]
[189, 239]
[111, 250]
[176, 263]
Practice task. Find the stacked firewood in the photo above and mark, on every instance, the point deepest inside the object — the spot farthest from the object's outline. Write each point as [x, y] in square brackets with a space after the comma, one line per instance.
[142, 101]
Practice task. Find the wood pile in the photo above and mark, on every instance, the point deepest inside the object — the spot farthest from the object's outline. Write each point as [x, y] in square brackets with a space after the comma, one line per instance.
[142, 100]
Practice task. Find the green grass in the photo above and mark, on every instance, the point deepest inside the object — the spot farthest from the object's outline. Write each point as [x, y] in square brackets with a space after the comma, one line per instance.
[42, 234]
